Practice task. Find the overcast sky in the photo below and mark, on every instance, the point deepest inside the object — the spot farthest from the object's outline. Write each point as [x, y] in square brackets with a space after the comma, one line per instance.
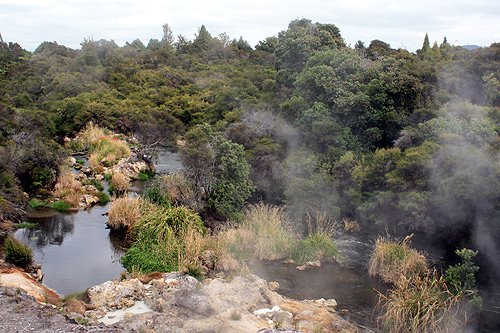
[401, 23]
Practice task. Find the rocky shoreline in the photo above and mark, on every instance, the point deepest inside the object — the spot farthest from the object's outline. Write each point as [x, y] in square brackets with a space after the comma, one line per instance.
[171, 302]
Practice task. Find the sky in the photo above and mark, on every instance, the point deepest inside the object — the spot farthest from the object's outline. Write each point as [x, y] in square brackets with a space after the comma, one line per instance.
[401, 23]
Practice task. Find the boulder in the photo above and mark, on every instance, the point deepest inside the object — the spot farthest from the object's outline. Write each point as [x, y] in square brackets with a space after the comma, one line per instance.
[133, 165]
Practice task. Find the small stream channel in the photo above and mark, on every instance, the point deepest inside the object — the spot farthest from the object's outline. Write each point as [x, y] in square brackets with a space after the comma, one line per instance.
[76, 251]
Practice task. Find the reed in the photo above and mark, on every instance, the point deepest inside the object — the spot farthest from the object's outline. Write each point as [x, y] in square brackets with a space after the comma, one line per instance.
[392, 260]
[421, 303]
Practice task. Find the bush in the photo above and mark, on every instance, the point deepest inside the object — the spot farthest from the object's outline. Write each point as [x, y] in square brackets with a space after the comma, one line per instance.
[180, 190]
[318, 246]
[461, 278]
[156, 196]
[17, 253]
[393, 260]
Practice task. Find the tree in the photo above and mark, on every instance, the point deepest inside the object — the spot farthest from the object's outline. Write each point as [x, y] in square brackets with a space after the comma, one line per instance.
[233, 186]
[203, 40]
[168, 38]
[219, 168]
[299, 42]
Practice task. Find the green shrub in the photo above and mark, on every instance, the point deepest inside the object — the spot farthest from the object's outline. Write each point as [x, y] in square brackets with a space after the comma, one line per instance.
[60, 206]
[163, 238]
[17, 253]
[36, 203]
[142, 176]
[161, 223]
[98, 185]
[156, 196]
[103, 197]
[149, 255]
[461, 278]
[81, 162]
[318, 246]
[108, 176]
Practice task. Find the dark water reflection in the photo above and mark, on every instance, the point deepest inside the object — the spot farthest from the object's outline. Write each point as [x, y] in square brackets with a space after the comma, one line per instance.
[75, 249]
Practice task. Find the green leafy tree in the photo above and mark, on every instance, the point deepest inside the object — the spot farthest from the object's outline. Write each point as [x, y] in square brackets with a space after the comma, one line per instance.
[299, 42]
[233, 186]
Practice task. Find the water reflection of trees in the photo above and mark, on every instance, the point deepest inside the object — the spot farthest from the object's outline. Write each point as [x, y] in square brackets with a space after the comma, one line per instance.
[49, 231]
[119, 243]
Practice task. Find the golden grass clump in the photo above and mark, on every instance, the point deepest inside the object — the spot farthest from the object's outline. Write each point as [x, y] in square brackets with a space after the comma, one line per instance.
[125, 213]
[91, 134]
[66, 182]
[265, 233]
[102, 147]
[421, 303]
[394, 260]
[68, 188]
[120, 182]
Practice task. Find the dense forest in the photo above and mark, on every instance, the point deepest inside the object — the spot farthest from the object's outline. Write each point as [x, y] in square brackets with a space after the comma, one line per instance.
[370, 135]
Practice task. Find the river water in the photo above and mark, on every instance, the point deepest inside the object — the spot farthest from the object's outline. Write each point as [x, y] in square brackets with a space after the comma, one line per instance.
[77, 251]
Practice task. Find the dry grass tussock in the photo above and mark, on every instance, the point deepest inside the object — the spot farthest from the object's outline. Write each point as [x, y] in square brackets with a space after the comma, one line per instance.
[421, 303]
[125, 213]
[265, 233]
[68, 188]
[102, 147]
[120, 182]
[91, 133]
[321, 223]
[393, 260]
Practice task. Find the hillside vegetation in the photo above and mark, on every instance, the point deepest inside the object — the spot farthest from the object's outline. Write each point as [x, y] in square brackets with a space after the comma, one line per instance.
[365, 134]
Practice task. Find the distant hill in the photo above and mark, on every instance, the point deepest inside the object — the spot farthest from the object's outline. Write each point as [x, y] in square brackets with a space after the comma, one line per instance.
[471, 47]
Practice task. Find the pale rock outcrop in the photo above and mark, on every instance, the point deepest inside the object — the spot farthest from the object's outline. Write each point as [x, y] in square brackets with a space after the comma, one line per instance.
[132, 166]
[180, 303]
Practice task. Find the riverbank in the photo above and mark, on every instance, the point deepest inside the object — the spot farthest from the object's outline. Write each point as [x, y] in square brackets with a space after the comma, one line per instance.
[173, 302]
